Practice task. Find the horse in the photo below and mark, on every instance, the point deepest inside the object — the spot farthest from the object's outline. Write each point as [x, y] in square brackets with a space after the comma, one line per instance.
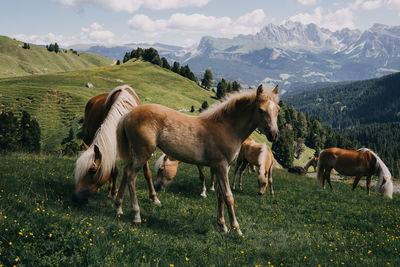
[259, 155]
[312, 162]
[166, 168]
[97, 164]
[361, 162]
[211, 139]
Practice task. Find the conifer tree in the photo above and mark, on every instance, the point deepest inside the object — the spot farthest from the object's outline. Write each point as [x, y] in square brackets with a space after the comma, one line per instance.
[207, 80]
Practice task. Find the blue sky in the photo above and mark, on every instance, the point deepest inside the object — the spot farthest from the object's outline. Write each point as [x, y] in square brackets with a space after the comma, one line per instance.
[179, 22]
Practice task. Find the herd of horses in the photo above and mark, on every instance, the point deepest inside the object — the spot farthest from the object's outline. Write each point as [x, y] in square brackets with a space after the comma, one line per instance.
[116, 126]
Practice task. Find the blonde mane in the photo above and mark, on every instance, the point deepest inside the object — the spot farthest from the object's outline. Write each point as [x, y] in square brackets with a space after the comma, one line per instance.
[220, 110]
[105, 137]
[383, 172]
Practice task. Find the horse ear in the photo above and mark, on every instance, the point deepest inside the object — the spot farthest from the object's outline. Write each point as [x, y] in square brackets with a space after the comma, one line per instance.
[276, 90]
[85, 145]
[260, 90]
[97, 154]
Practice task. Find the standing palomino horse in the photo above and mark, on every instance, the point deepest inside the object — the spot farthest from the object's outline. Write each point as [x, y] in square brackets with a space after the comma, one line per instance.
[97, 164]
[211, 139]
[166, 168]
[260, 156]
[362, 162]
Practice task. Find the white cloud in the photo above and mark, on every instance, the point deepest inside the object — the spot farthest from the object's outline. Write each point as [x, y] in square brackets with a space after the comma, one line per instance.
[394, 4]
[341, 18]
[371, 5]
[307, 2]
[134, 5]
[248, 23]
[92, 34]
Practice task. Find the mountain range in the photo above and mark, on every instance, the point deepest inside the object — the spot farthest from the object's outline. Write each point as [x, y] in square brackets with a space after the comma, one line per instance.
[291, 54]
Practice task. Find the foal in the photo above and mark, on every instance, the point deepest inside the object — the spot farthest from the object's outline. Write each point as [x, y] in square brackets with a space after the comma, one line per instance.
[260, 156]
[211, 139]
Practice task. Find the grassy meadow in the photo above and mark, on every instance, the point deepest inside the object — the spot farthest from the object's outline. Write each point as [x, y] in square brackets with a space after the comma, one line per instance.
[300, 225]
[16, 61]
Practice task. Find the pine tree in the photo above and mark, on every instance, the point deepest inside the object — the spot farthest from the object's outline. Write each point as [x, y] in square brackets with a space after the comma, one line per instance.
[192, 109]
[207, 80]
[236, 86]
[164, 63]
[176, 67]
[283, 148]
[221, 89]
[56, 48]
[204, 106]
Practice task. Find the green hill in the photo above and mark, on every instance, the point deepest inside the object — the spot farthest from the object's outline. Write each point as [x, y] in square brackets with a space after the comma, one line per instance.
[355, 103]
[58, 100]
[16, 61]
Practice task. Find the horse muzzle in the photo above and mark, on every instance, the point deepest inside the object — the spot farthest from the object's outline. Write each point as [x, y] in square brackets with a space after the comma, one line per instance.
[81, 197]
[159, 187]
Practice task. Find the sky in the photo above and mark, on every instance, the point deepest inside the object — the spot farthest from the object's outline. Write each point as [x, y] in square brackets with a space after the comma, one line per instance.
[178, 22]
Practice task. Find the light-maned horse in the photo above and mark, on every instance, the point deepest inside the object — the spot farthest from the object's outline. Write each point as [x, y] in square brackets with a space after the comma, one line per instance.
[312, 162]
[260, 156]
[97, 164]
[166, 168]
[358, 163]
[211, 139]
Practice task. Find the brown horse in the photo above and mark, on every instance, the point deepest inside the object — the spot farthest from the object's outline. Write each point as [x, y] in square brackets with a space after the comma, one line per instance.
[166, 168]
[260, 156]
[97, 164]
[362, 162]
[211, 139]
[312, 162]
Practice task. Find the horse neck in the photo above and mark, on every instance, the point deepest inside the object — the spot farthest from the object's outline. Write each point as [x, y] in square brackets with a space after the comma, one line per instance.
[241, 121]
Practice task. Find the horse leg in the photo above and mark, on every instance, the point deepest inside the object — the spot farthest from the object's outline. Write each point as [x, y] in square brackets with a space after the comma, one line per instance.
[241, 170]
[355, 183]
[152, 193]
[237, 165]
[132, 193]
[328, 178]
[368, 184]
[112, 186]
[203, 182]
[225, 194]
[212, 181]
[121, 192]
[271, 188]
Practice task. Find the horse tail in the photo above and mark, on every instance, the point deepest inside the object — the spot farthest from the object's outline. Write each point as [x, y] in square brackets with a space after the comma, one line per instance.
[122, 141]
[320, 169]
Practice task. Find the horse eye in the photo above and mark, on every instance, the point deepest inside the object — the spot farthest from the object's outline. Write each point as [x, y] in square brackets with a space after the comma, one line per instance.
[92, 171]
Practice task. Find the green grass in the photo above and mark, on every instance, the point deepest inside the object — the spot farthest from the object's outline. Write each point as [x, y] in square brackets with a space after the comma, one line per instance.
[300, 225]
[58, 100]
[16, 61]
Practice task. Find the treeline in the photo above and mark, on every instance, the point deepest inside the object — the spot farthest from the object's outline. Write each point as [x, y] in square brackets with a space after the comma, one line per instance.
[151, 55]
[353, 104]
[297, 129]
[383, 138]
[19, 134]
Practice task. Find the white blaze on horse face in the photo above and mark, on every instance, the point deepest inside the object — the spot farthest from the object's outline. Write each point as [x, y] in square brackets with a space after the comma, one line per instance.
[272, 106]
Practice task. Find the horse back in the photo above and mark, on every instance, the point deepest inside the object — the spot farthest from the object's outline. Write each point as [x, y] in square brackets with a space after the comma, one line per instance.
[95, 113]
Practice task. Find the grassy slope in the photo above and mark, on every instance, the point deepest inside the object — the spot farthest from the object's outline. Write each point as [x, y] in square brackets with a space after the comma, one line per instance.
[301, 226]
[16, 61]
[59, 99]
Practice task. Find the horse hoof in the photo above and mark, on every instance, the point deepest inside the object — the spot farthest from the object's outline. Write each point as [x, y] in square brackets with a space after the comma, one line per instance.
[203, 195]
[224, 228]
[137, 221]
[212, 189]
[239, 232]
[156, 201]
[119, 211]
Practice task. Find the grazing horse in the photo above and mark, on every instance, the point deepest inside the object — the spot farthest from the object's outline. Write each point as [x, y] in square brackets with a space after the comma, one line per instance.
[259, 155]
[362, 162]
[97, 164]
[312, 162]
[166, 168]
[210, 139]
